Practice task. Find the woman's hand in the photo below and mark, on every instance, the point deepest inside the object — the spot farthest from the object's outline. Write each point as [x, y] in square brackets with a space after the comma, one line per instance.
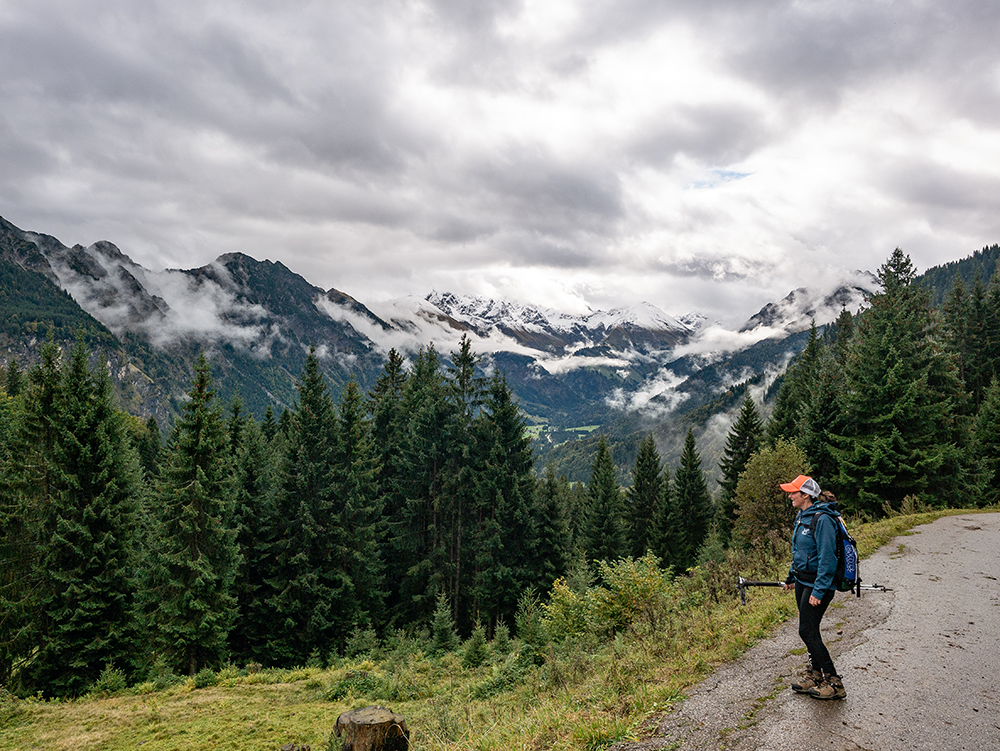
[814, 601]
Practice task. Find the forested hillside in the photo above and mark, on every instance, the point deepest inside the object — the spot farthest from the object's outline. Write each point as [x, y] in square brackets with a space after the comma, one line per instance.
[980, 266]
[414, 508]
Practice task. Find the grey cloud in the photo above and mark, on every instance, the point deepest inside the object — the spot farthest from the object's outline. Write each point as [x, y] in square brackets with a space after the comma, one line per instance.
[940, 187]
[477, 16]
[20, 156]
[216, 76]
[194, 128]
[545, 252]
[808, 53]
[811, 53]
[546, 194]
[527, 203]
[712, 133]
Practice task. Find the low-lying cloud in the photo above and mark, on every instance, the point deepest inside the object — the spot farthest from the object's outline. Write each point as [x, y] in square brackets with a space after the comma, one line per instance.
[656, 397]
[168, 306]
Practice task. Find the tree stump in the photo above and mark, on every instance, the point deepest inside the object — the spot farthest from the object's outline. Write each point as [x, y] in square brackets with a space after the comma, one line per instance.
[373, 729]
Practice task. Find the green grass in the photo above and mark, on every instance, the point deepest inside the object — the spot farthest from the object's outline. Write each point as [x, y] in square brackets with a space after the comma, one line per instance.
[591, 691]
[533, 431]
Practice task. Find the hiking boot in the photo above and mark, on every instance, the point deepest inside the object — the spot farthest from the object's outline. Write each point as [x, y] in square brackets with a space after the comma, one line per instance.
[830, 687]
[807, 679]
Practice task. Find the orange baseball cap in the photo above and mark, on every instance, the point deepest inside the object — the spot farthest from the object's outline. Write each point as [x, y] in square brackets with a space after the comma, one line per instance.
[806, 484]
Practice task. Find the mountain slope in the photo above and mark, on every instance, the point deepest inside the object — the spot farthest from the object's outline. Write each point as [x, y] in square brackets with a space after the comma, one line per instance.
[256, 320]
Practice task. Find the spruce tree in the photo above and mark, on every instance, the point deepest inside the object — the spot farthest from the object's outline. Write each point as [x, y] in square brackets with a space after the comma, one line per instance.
[955, 315]
[979, 368]
[991, 328]
[422, 542]
[308, 582]
[150, 447]
[388, 429]
[359, 508]
[692, 507]
[794, 393]
[191, 603]
[236, 421]
[80, 603]
[643, 498]
[608, 534]
[822, 418]
[502, 535]
[664, 537]
[68, 520]
[457, 501]
[256, 480]
[554, 536]
[14, 379]
[840, 333]
[444, 638]
[269, 426]
[903, 433]
[29, 476]
[745, 438]
[987, 445]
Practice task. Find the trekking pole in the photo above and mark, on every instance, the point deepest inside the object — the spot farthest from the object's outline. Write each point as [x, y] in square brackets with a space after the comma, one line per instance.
[874, 588]
[742, 585]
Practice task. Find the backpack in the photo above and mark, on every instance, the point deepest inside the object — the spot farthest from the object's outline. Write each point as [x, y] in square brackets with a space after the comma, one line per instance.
[848, 575]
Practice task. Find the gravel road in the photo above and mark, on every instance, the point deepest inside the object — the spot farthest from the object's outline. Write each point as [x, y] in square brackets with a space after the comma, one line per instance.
[919, 662]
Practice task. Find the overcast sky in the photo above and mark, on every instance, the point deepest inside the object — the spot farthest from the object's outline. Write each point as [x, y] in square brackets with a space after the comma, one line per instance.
[704, 155]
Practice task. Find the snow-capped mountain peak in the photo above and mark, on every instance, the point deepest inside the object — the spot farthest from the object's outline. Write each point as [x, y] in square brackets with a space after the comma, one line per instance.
[802, 306]
[643, 326]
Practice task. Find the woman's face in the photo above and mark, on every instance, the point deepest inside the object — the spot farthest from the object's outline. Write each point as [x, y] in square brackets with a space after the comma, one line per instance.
[800, 500]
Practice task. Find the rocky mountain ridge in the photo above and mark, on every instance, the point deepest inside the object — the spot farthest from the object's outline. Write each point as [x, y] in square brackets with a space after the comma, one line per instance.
[257, 320]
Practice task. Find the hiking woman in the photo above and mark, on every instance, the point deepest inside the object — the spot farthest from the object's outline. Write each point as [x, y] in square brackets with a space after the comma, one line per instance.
[814, 563]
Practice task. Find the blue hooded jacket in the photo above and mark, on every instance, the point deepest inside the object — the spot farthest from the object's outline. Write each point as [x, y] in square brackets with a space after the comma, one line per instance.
[814, 557]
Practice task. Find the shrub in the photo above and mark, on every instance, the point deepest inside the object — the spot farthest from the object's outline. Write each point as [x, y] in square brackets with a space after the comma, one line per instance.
[399, 645]
[111, 681]
[762, 506]
[161, 675]
[362, 642]
[229, 674]
[315, 659]
[205, 678]
[633, 589]
[475, 649]
[530, 628]
[10, 707]
[566, 611]
[355, 683]
[501, 641]
[505, 676]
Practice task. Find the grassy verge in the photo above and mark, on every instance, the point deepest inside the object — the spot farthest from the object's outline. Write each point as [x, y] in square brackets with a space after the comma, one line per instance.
[590, 691]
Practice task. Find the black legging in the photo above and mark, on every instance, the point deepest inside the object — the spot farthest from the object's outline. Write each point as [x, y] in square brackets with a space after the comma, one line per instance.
[809, 618]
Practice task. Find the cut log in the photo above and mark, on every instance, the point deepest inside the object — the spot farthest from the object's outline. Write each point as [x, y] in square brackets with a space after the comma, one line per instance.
[373, 729]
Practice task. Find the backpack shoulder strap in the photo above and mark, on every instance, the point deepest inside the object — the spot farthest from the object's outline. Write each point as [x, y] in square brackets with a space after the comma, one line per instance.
[815, 518]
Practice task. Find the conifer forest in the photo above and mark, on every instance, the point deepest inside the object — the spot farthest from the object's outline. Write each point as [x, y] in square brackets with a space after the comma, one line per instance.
[227, 539]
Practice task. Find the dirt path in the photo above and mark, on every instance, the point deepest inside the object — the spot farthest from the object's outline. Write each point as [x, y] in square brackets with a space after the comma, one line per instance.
[921, 664]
